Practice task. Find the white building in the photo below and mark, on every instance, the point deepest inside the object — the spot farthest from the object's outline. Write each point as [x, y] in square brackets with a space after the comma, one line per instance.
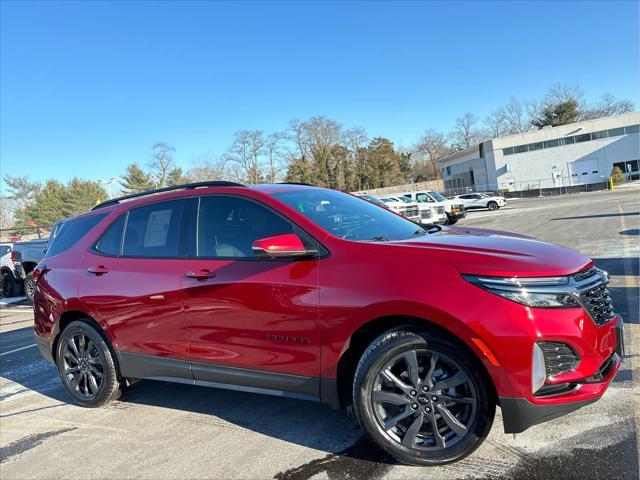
[575, 154]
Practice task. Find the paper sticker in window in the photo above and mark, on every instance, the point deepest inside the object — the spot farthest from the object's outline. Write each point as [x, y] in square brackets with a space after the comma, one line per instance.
[157, 228]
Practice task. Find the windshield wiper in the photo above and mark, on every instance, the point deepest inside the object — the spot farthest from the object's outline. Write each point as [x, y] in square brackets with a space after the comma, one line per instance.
[419, 233]
[378, 238]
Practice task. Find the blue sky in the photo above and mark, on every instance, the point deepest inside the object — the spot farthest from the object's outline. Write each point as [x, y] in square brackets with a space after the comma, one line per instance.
[88, 87]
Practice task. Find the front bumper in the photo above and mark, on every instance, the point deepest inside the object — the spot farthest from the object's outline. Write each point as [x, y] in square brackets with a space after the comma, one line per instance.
[457, 213]
[518, 414]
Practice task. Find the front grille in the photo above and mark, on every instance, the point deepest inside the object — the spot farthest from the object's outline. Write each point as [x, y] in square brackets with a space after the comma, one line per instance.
[584, 274]
[411, 212]
[598, 304]
[558, 357]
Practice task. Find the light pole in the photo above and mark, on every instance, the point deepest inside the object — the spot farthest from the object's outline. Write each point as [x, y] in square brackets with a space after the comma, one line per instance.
[108, 184]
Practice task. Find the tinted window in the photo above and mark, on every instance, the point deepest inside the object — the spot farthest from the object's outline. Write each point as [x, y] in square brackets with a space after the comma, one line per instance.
[568, 140]
[228, 226]
[507, 151]
[67, 233]
[535, 146]
[551, 143]
[616, 132]
[111, 241]
[583, 138]
[632, 129]
[599, 135]
[4, 249]
[349, 217]
[154, 230]
[520, 148]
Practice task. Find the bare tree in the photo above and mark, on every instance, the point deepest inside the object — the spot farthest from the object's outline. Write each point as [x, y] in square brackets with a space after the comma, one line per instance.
[608, 106]
[7, 215]
[206, 167]
[355, 139]
[274, 154]
[431, 147]
[465, 133]
[246, 152]
[507, 120]
[161, 163]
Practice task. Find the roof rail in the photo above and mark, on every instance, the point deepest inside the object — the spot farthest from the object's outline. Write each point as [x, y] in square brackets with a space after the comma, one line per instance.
[186, 186]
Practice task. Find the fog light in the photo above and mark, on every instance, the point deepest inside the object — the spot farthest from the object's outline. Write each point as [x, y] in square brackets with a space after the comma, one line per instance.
[538, 370]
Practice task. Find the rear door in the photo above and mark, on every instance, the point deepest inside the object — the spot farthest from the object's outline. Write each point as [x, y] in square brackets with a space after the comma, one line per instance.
[131, 279]
[251, 321]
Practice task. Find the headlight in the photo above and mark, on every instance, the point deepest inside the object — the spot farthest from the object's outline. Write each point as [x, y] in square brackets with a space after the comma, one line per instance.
[540, 292]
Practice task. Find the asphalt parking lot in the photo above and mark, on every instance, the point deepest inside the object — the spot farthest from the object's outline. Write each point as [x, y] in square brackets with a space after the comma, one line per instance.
[162, 430]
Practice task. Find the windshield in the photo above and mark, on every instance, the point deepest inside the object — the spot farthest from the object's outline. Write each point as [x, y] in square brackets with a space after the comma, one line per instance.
[405, 200]
[349, 217]
[437, 196]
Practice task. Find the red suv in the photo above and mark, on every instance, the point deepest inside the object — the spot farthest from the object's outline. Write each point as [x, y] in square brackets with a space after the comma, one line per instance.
[298, 291]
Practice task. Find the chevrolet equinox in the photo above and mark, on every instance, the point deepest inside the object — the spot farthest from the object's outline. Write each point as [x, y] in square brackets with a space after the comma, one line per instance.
[298, 291]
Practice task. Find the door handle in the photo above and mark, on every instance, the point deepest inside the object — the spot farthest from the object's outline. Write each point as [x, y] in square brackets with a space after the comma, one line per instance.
[200, 274]
[99, 270]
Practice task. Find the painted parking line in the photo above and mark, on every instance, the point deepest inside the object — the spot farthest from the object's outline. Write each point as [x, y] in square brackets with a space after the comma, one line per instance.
[16, 350]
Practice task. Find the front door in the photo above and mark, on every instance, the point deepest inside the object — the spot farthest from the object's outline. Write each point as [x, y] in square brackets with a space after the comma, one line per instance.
[131, 282]
[251, 322]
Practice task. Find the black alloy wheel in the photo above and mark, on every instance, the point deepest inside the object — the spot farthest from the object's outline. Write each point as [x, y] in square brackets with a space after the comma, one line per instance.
[86, 365]
[422, 398]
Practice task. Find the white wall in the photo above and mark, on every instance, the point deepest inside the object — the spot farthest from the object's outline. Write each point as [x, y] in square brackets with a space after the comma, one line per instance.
[539, 164]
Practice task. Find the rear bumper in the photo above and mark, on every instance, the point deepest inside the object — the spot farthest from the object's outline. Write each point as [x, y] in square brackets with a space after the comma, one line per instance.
[45, 347]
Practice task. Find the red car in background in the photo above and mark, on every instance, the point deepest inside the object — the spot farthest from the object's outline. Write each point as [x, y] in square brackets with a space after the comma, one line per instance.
[310, 293]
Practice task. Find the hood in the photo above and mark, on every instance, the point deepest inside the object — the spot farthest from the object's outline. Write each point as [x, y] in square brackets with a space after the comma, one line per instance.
[488, 252]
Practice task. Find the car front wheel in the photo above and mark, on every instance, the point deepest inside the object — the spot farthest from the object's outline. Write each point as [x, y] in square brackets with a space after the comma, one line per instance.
[492, 206]
[421, 398]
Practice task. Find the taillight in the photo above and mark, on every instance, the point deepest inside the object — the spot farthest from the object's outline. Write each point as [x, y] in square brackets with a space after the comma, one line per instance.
[38, 271]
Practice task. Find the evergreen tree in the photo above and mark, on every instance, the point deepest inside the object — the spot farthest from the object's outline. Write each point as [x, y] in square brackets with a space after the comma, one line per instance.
[81, 195]
[176, 177]
[136, 180]
[555, 114]
[50, 205]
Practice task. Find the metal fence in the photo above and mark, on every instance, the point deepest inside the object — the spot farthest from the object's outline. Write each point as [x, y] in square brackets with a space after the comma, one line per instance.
[535, 188]
[24, 233]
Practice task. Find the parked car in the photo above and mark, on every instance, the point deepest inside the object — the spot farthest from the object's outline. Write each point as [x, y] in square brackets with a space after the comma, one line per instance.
[481, 200]
[26, 256]
[407, 208]
[306, 292]
[372, 199]
[454, 210]
[428, 213]
[8, 282]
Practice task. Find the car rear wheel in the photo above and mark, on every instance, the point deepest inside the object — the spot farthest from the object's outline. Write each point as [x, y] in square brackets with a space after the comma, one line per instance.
[422, 398]
[492, 206]
[86, 366]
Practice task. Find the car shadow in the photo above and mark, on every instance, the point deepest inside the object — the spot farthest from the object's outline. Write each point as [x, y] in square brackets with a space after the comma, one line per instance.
[626, 298]
[600, 215]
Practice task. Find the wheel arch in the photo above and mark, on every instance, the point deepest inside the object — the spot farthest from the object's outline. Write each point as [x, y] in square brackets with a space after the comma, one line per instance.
[362, 337]
[71, 316]
[28, 266]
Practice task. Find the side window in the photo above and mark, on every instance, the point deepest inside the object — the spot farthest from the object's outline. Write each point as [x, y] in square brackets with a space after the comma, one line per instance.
[111, 241]
[228, 226]
[154, 230]
[423, 197]
[67, 233]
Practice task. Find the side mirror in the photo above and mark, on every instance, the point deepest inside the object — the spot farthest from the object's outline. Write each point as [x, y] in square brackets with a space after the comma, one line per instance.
[281, 246]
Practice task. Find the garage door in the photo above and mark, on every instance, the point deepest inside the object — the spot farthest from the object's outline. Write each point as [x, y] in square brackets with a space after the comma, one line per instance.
[586, 171]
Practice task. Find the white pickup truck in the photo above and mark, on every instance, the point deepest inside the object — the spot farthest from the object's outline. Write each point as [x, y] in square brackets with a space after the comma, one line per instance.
[454, 210]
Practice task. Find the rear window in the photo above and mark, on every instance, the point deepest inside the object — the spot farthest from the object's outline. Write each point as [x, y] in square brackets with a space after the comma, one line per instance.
[153, 231]
[67, 233]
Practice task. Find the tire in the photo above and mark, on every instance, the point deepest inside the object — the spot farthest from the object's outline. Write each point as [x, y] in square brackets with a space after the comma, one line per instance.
[29, 286]
[471, 416]
[450, 220]
[6, 285]
[86, 367]
[492, 206]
